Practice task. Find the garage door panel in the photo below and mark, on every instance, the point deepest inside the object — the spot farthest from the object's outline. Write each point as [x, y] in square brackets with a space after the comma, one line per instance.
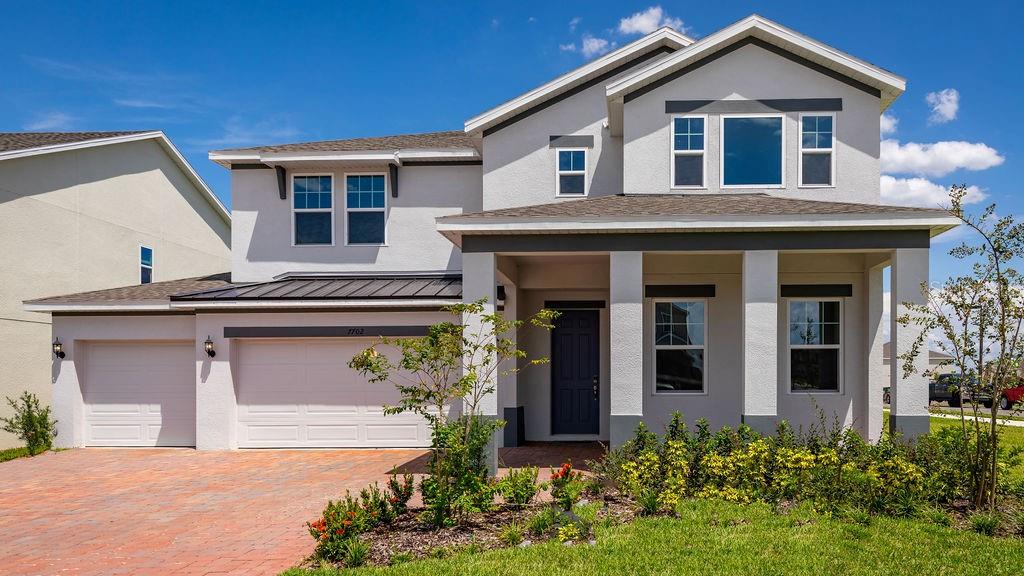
[321, 402]
[140, 394]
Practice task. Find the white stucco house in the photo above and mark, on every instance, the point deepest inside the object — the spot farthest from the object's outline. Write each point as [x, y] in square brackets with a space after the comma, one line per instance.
[87, 211]
[705, 214]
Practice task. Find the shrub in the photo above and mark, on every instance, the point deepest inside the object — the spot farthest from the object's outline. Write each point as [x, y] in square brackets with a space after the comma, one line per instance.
[356, 552]
[567, 486]
[569, 532]
[459, 481]
[344, 520]
[30, 423]
[542, 521]
[985, 523]
[519, 486]
[401, 493]
[512, 534]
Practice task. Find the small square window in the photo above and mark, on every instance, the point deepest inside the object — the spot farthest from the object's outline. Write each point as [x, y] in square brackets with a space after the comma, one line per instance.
[366, 227]
[313, 228]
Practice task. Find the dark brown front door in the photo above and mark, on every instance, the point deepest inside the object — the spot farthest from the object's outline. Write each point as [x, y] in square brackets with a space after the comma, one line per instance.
[574, 373]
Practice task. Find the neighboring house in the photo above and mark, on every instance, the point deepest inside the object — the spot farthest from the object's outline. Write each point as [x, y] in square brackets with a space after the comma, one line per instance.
[935, 361]
[705, 214]
[87, 211]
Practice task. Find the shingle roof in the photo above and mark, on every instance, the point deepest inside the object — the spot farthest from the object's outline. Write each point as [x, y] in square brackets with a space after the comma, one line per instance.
[378, 287]
[683, 205]
[11, 141]
[155, 291]
[432, 140]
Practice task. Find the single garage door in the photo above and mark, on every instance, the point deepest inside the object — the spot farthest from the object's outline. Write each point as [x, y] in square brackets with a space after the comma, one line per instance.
[140, 394]
[302, 394]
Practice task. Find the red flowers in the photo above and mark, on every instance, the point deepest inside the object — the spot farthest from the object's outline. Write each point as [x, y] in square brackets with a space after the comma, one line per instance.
[564, 472]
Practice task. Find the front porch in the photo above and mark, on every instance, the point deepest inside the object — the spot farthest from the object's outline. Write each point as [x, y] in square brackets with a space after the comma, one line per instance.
[730, 336]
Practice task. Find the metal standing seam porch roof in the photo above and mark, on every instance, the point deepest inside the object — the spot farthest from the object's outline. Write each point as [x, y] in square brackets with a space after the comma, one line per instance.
[378, 287]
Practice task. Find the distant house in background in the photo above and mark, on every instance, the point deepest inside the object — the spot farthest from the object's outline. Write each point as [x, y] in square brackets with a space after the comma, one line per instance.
[87, 211]
[935, 358]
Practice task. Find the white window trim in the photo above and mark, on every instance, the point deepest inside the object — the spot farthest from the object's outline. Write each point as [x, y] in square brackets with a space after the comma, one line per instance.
[584, 172]
[791, 346]
[800, 145]
[385, 209]
[151, 266]
[721, 151]
[334, 202]
[673, 153]
[655, 347]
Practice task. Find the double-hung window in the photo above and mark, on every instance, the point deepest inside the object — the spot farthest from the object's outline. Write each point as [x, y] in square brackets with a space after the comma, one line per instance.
[313, 208]
[817, 150]
[365, 207]
[679, 334]
[815, 353]
[752, 151]
[145, 265]
[571, 172]
[688, 151]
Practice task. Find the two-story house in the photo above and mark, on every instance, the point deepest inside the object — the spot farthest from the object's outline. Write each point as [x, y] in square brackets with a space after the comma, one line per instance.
[88, 211]
[705, 215]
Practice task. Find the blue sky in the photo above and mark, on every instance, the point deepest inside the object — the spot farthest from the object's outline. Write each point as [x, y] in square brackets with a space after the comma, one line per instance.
[231, 74]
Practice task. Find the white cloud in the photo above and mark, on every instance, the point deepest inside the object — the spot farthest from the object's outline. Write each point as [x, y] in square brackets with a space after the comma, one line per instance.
[138, 103]
[648, 21]
[51, 121]
[237, 133]
[570, 47]
[531, 19]
[922, 192]
[888, 123]
[937, 159]
[574, 23]
[592, 46]
[495, 23]
[944, 105]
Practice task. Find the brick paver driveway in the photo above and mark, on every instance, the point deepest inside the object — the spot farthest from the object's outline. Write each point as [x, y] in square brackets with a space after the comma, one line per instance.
[167, 511]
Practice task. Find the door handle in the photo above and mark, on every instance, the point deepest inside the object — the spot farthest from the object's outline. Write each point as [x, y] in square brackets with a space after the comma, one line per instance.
[594, 380]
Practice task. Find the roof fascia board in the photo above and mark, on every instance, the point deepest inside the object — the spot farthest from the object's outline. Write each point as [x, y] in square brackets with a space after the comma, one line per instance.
[880, 221]
[356, 304]
[156, 306]
[64, 147]
[763, 29]
[349, 156]
[663, 36]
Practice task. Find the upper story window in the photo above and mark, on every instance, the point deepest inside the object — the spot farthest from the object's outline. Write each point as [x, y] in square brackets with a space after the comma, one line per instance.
[145, 265]
[815, 351]
[752, 151]
[817, 150]
[688, 151]
[679, 346]
[365, 206]
[313, 207]
[571, 177]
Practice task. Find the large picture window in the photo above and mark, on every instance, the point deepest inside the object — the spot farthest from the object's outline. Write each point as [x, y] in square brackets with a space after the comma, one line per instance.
[688, 138]
[815, 329]
[679, 333]
[752, 151]
[817, 149]
[313, 210]
[365, 199]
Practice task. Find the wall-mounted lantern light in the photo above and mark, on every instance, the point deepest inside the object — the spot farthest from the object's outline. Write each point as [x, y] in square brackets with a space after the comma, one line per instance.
[58, 348]
[208, 346]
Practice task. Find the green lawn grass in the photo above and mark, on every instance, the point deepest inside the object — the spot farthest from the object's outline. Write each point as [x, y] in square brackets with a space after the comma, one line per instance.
[713, 537]
[12, 453]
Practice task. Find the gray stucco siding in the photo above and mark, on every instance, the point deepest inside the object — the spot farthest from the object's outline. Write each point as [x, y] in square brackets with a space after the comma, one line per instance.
[753, 73]
[262, 224]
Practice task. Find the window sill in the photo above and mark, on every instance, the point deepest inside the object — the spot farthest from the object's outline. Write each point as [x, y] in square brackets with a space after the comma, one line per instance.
[816, 392]
[679, 393]
[753, 186]
[688, 188]
[817, 186]
[572, 195]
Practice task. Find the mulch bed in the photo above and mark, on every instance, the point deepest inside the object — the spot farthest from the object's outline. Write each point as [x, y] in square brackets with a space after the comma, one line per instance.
[407, 535]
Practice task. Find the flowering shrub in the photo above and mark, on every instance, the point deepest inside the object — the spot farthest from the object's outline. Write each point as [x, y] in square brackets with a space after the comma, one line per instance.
[519, 486]
[832, 468]
[344, 520]
[567, 486]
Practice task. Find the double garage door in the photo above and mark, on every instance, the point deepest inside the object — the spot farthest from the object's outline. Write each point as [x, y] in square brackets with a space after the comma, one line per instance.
[290, 394]
[301, 393]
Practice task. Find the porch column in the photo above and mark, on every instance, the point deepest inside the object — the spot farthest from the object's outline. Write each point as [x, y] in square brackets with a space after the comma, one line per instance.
[876, 375]
[761, 339]
[908, 409]
[479, 282]
[508, 380]
[626, 292]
